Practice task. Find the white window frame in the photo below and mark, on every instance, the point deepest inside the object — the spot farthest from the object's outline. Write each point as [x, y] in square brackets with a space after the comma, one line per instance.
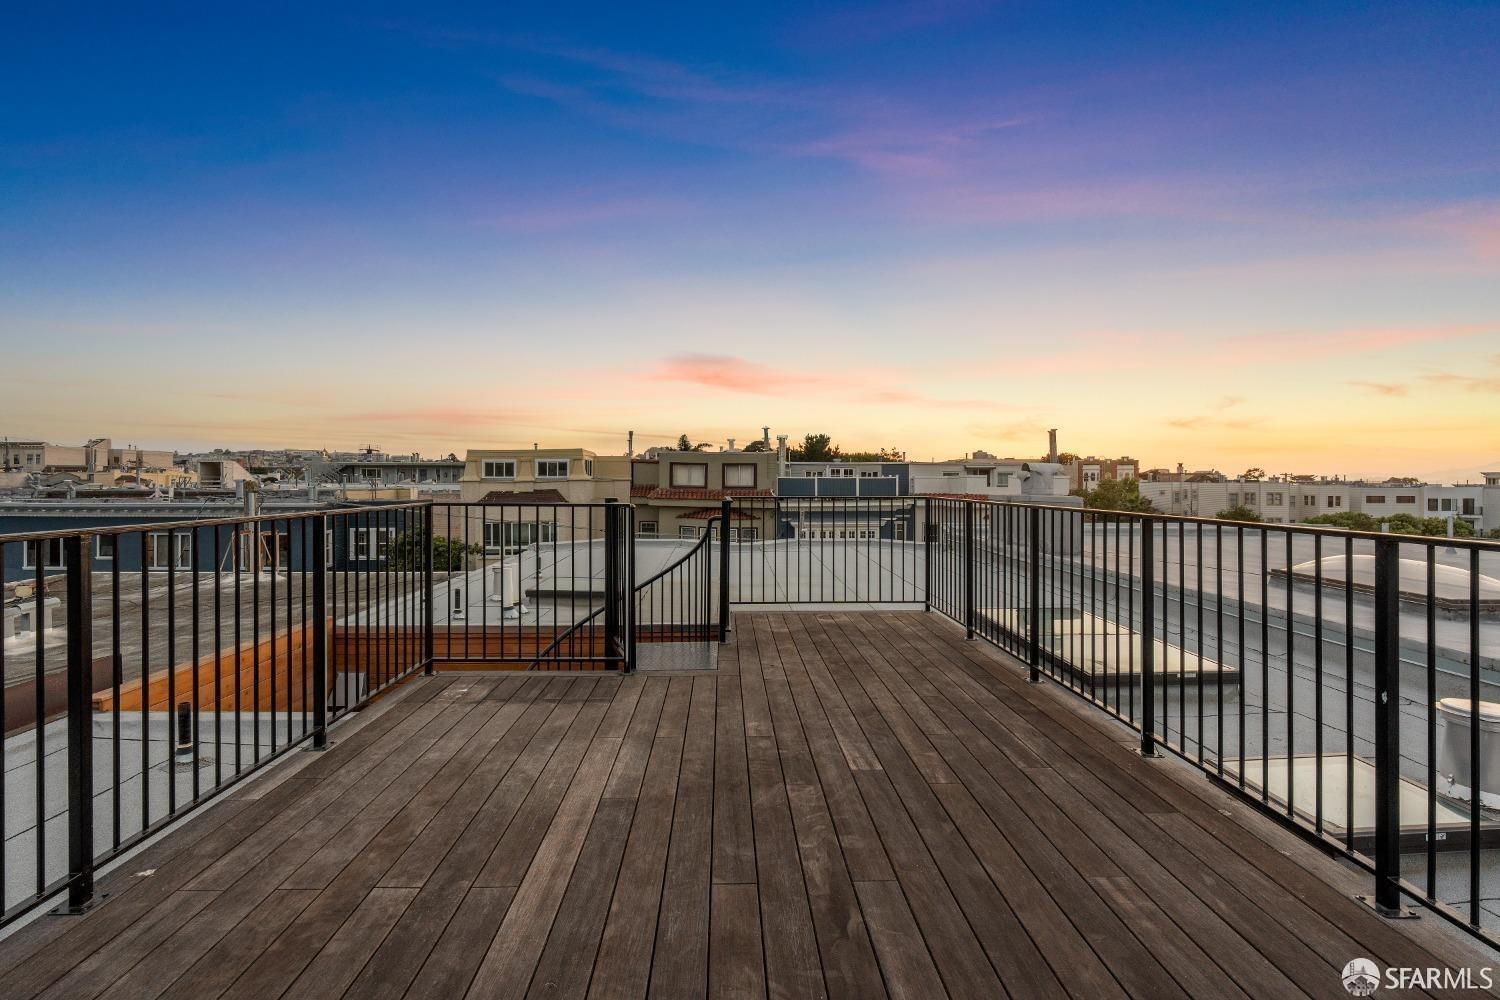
[739, 468]
[31, 547]
[563, 463]
[489, 467]
[645, 527]
[360, 549]
[508, 536]
[180, 548]
[699, 469]
[99, 552]
[688, 531]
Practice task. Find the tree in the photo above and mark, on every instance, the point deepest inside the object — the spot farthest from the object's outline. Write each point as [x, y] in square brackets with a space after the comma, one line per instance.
[1253, 474]
[815, 448]
[1348, 519]
[684, 444]
[1116, 494]
[756, 446]
[1239, 512]
[448, 554]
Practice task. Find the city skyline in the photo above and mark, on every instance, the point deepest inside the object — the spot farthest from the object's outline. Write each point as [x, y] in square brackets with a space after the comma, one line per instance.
[1267, 238]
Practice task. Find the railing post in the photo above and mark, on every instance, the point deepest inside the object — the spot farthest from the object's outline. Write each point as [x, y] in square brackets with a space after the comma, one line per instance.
[1034, 594]
[1148, 638]
[611, 578]
[969, 569]
[627, 588]
[1388, 728]
[320, 632]
[928, 525]
[77, 550]
[428, 541]
[725, 508]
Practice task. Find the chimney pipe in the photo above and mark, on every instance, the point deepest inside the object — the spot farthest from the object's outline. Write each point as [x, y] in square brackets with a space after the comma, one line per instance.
[765, 436]
[630, 444]
[780, 455]
[731, 444]
[1052, 445]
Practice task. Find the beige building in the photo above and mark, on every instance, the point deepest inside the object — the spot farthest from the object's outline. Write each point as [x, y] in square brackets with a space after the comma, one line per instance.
[512, 496]
[96, 461]
[677, 492]
[1088, 473]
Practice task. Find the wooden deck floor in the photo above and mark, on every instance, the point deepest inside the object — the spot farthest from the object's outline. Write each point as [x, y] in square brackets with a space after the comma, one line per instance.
[853, 805]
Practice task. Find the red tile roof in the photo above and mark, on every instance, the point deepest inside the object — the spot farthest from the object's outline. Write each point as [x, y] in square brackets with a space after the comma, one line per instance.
[523, 496]
[695, 492]
[708, 512]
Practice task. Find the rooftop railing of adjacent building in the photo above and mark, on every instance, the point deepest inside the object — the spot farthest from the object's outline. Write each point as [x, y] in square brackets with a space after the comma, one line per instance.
[1342, 682]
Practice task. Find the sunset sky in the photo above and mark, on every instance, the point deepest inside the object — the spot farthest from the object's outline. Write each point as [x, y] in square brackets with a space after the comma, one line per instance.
[1227, 235]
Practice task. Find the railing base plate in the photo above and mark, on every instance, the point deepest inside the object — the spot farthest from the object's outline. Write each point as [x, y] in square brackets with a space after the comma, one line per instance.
[77, 911]
[1152, 755]
[1399, 913]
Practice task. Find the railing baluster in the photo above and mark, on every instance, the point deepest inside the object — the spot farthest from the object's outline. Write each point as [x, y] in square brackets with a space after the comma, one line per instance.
[80, 666]
[1388, 727]
[1148, 637]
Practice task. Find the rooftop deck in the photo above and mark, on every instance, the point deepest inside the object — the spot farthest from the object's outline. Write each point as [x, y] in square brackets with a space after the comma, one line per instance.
[851, 805]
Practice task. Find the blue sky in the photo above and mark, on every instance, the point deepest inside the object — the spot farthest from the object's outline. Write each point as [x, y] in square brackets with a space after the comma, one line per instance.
[1232, 235]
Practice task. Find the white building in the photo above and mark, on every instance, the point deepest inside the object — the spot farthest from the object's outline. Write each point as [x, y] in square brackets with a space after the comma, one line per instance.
[1281, 501]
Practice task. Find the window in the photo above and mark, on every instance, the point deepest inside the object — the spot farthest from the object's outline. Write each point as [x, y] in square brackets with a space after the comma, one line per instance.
[1432, 503]
[1376, 498]
[1273, 499]
[687, 531]
[1405, 498]
[588, 467]
[645, 527]
[1309, 501]
[1468, 505]
[164, 548]
[1446, 504]
[1234, 499]
[53, 556]
[813, 473]
[104, 548]
[552, 468]
[500, 469]
[739, 475]
[1335, 501]
[370, 473]
[370, 543]
[512, 536]
[689, 475]
[869, 473]
[746, 534]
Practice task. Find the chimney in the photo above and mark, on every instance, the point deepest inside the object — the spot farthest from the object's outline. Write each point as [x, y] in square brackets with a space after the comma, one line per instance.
[765, 436]
[1052, 445]
[780, 455]
[731, 444]
[630, 444]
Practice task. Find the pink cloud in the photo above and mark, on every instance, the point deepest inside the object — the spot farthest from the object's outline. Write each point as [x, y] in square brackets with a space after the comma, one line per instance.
[720, 371]
[1381, 388]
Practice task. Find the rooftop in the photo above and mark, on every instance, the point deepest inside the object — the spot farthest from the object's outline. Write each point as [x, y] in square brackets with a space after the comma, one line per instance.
[852, 804]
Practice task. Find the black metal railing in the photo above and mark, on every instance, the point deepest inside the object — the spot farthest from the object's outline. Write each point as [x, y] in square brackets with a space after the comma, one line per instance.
[824, 550]
[1342, 681]
[533, 584]
[149, 668]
